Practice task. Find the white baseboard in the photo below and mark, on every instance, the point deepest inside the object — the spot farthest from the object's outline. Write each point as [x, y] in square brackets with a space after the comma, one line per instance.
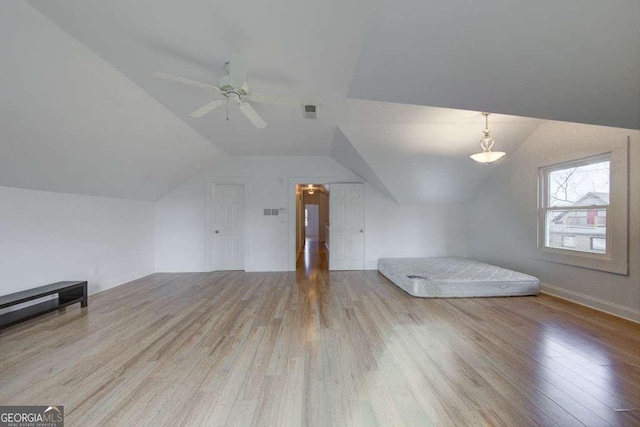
[118, 282]
[193, 270]
[592, 302]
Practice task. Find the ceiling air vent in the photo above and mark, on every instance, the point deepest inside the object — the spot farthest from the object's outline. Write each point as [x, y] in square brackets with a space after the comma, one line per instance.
[310, 112]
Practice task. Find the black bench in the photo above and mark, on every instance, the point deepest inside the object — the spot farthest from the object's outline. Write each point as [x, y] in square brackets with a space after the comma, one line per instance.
[68, 293]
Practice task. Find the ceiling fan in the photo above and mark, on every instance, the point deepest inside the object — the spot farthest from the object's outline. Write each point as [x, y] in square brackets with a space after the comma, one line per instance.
[232, 87]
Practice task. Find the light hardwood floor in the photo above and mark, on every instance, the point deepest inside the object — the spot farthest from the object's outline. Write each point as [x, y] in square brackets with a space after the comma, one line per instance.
[321, 348]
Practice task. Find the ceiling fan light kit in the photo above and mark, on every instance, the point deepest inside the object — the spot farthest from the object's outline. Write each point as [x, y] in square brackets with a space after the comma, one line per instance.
[232, 86]
[486, 143]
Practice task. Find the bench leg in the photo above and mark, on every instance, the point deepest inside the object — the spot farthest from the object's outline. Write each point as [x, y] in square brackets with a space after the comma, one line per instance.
[85, 300]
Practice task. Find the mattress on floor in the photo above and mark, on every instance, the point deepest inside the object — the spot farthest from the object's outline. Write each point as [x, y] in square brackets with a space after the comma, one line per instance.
[453, 277]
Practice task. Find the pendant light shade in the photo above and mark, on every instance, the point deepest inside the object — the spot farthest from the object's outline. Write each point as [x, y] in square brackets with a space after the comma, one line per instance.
[487, 156]
[486, 143]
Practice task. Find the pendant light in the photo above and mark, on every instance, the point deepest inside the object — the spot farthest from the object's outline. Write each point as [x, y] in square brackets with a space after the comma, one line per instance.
[487, 156]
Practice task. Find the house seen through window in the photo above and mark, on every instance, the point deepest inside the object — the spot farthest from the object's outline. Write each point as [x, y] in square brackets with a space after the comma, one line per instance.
[575, 206]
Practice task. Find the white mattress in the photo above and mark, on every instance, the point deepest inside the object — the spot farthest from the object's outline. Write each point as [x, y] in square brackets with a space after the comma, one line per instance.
[453, 277]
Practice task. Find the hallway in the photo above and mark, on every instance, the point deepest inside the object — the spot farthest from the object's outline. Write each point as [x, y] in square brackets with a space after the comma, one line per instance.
[314, 257]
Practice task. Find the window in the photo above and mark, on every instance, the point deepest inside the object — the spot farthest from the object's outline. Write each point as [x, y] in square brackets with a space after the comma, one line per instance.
[568, 241]
[576, 204]
[598, 244]
[582, 209]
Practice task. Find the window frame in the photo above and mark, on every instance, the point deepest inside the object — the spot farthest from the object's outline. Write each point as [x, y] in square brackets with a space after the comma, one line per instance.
[615, 258]
[543, 177]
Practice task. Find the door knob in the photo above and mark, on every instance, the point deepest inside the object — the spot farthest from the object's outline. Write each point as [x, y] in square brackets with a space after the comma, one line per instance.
[217, 231]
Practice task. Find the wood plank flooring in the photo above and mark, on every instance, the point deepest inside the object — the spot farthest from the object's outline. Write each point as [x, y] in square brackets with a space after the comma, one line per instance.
[321, 348]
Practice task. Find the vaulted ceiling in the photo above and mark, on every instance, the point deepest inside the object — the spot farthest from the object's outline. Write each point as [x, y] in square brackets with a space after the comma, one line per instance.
[70, 122]
[302, 49]
[79, 99]
[421, 154]
[567, 60]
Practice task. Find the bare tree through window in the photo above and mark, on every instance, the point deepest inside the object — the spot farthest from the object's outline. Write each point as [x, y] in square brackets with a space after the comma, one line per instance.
[568, 186]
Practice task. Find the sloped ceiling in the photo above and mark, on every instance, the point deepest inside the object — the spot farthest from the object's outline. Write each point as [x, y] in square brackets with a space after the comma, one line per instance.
[79, 99]
[305, 49]
[568, 60]
[421, 154]
[343, 152]
[71, 123]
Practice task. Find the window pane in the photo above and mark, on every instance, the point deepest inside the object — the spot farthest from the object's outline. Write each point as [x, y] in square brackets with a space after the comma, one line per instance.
[569, 241]
[581, 230]
[599, 244]
[580, 186]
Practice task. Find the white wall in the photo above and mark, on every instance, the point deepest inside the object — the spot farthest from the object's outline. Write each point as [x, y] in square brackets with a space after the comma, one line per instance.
[392, 230]
[48, 237]
[502, 218]
[67, 113]
[421, 230]
[180, 228]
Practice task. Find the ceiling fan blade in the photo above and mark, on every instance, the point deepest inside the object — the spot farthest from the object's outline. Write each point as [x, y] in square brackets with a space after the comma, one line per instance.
[238, 67]
[274, 100]
[165, 76]
[207, 108]
[252, 115]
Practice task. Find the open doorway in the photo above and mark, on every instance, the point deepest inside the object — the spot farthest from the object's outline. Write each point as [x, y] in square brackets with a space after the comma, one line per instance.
[312, 227]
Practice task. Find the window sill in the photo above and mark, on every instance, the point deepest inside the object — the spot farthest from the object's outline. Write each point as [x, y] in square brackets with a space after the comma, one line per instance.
[583, 260]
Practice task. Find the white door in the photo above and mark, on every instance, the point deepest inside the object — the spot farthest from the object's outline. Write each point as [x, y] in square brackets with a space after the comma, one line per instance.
[312, 220]
[228, 227]
[346, 222]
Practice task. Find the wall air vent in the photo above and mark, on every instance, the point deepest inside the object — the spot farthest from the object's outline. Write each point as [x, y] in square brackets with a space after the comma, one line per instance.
[311, 112]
